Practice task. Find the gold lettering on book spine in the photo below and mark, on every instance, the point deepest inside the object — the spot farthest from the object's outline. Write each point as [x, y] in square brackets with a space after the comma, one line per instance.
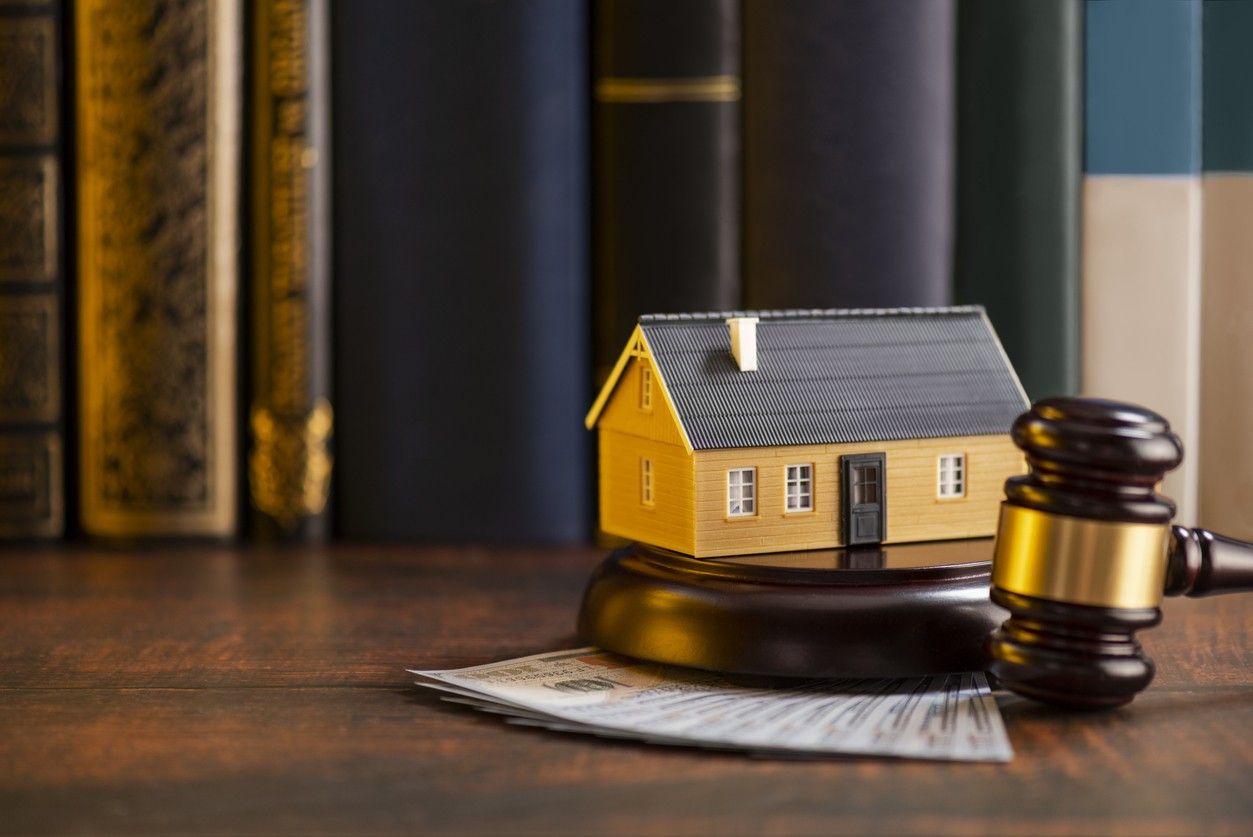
[158, 146]
[290, 463]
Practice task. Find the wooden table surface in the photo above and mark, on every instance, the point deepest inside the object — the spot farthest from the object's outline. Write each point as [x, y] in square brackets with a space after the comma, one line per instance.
[263, 690]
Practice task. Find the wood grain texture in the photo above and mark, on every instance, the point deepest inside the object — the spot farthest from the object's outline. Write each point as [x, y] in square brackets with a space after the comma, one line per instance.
[624, 412]
[210, 690]
[670, 521]
[627, 431]
[914, 512]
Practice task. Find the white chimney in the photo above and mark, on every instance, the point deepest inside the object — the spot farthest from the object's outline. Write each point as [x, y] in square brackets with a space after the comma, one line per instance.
[744, 342]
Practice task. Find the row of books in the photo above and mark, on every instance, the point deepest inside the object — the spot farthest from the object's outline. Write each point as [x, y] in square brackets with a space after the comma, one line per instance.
[514, 182]
[151, 160]
[1167, 264]
[1126, 122]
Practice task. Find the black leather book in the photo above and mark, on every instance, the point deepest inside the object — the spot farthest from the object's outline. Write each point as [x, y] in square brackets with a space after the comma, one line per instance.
[32, 271]
[1019, 164]
[461, 269]
[666, 162]
[848, 152]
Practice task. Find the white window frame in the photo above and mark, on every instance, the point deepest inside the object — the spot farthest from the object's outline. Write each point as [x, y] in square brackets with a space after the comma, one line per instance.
[646, 387]
[950, 476]
[648, 489]
[742, 492]
[798, 484]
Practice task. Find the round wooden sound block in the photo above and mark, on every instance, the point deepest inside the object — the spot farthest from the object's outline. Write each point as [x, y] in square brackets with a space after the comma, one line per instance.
[892, 611]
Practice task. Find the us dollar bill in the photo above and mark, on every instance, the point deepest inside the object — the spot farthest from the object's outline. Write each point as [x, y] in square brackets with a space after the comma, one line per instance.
[946, 717]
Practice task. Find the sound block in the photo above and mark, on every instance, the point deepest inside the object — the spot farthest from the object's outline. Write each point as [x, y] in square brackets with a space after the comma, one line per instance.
[890, 611]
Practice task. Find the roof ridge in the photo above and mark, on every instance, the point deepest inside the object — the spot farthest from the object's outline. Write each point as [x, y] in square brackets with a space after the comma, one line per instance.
[808, 314]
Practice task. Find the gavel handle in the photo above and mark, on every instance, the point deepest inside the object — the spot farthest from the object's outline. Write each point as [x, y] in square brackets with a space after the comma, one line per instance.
[1201, 563]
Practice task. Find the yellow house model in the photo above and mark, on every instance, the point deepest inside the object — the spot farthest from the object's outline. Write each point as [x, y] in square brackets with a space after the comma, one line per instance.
[764, 431]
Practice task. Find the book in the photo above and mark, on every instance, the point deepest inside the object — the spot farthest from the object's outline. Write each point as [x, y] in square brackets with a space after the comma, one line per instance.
[848, 176]
[1019, 170]
[290, 419]
[666, 163]
[158, 156]
[1141, 261]
[1225, 457]
[32, 270]
[462, 294]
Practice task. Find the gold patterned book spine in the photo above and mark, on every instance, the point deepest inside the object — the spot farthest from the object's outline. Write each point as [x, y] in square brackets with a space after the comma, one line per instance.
[158, 152]
[32, 503]
[290, 420]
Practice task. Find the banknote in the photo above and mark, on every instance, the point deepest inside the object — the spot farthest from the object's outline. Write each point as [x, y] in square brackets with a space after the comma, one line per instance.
[946, 717]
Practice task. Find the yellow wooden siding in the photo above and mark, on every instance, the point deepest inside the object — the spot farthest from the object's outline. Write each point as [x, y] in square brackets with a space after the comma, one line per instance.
[622, 412]
[914, 512]
[670, 521]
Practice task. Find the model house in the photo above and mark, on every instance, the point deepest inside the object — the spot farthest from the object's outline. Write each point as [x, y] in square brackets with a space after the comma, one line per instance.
[764, 431]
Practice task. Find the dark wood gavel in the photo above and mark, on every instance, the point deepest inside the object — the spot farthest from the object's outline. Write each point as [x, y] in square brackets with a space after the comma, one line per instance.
[1085, 552]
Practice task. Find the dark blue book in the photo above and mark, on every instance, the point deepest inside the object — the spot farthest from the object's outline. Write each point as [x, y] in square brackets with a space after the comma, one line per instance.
[461, 269]
[848, 153]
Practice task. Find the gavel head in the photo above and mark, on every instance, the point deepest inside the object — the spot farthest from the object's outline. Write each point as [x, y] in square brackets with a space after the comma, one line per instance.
[1080, 556]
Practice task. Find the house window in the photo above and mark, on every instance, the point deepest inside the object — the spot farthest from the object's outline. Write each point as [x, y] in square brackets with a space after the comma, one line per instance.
[646, 387]
[646, 481]
[741, 492]
[798, 488]
[951, 476]
[866, 484]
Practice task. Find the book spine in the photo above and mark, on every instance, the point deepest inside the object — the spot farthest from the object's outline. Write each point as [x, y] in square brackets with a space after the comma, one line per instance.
[1019, 171]
[290, 416]
[158, 125]
[462, 290]
[848, 112]
[666, 163]
[32, 265]
[1141, 260]
[1226, 453]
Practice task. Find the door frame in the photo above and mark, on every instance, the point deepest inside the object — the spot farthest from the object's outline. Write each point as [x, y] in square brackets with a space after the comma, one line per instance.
[847, 462]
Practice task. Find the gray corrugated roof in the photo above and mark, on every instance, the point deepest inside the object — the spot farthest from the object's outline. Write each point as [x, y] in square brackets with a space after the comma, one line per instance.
[834, 376]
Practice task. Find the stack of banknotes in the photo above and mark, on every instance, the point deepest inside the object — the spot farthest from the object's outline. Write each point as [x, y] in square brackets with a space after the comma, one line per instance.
[950, 717]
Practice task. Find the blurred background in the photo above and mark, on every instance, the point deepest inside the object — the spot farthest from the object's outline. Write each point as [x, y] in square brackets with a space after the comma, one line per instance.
[310, 269]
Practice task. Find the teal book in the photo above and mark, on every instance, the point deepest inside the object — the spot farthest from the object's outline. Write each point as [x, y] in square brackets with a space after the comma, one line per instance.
[1142, 219]
[1019, 169]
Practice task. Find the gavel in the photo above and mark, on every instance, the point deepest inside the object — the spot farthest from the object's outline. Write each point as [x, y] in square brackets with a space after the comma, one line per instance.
[1085, 552]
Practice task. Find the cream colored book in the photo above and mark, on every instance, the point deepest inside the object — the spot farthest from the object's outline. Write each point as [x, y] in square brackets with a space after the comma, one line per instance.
[1141, 305]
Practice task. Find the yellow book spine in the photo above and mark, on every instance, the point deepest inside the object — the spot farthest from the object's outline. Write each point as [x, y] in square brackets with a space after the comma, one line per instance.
[158, 152]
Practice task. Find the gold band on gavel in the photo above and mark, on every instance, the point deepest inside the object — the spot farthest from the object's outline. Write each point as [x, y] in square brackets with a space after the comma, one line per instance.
[1079, 561]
